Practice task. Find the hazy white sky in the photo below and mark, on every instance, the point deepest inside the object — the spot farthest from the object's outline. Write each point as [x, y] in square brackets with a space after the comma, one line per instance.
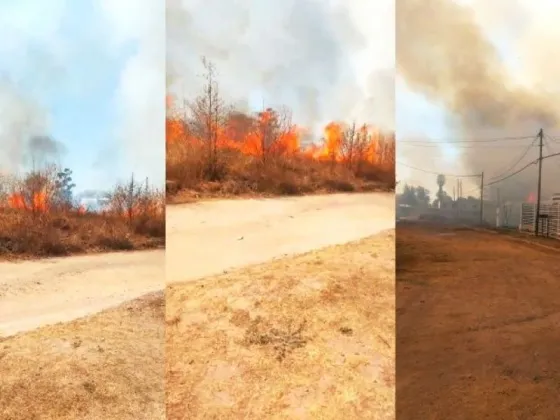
[324, 59]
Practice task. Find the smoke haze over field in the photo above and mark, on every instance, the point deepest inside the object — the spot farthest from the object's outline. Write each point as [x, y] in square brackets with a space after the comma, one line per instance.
[489, 66]
[20, 120]
[81, 83]
[323, 59]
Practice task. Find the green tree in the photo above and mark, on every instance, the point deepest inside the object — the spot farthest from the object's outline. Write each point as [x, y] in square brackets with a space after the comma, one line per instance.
[65, 186]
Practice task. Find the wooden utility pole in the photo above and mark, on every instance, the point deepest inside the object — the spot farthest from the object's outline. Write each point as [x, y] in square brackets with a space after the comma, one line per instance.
[482, 198]
[538, 210]
[499, 209]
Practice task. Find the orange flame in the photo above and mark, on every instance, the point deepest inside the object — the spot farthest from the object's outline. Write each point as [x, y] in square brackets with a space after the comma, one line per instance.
[249, 134]
[38, 202]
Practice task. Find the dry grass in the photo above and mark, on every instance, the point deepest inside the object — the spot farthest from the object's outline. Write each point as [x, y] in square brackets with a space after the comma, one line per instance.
[39, 218]
[245, 176]
[477, 315]
[23, 234]
[108, 366]
[304, 337]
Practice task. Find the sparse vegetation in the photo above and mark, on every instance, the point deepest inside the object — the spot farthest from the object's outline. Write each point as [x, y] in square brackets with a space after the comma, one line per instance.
[87, 369]
[39, 217]
[285, 339]
[214, 149]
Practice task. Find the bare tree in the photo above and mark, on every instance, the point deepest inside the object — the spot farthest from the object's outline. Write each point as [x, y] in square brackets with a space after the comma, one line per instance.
[362, 143]
[126, 198]
[208, 114]
[348, 145]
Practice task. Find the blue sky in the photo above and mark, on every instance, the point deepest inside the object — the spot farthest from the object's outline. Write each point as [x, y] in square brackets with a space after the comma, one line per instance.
[64, 60]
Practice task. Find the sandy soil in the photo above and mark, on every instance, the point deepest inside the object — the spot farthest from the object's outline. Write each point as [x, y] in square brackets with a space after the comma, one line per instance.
[107, 366]
[477, 326]
[305, 337]
[36, 293]
[206, 238]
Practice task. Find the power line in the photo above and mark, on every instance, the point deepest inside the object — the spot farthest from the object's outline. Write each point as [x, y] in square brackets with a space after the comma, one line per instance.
[438, 145]
[486, 140]
[437, 173]
[511, 167]
[534, 162]
[547, 144]
[512, 174]
[553, 139]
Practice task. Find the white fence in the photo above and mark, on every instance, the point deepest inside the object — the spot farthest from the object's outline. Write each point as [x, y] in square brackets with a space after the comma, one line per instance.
[550, 219]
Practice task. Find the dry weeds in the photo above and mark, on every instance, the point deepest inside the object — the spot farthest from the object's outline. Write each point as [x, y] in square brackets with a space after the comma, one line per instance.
[37, 221]
[245, 176]
[477, 315]
[108, 366]
[24, 235]
[305, 337]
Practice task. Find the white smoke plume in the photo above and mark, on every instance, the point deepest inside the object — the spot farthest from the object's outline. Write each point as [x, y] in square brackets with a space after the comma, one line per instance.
[141, 92]
[326, 60]
[489, 64]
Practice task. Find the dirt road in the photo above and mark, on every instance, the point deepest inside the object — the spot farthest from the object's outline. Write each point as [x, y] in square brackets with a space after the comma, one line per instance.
[36, 293]
[477, 326]
[203, 239]
[207, 238]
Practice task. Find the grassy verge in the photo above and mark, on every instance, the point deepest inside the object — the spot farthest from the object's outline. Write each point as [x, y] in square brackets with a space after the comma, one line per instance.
[108, 366]
[305, 337]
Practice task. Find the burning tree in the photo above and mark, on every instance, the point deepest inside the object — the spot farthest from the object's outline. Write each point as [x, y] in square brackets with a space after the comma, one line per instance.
[276, 133]
[35, 192]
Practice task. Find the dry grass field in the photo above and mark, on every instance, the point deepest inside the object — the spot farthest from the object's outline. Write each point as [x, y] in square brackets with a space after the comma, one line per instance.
[107, 366]
[24, 235]
[306, 337]
[246, 176]
[477, 325]
[35, 221]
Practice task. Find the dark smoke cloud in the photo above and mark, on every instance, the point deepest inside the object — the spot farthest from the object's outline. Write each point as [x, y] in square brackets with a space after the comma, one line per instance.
[299, 52]
[444, 54]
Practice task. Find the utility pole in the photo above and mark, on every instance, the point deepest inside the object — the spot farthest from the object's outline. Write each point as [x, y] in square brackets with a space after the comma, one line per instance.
[481, 198]
[499, 209]
[538, 210]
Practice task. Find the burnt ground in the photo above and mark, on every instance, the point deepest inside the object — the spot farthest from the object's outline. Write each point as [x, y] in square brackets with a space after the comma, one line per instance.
[477, 325]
